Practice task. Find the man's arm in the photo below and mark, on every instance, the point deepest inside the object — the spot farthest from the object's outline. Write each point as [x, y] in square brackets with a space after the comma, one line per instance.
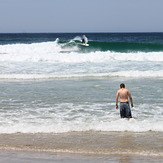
[129, 94]
[117, 95]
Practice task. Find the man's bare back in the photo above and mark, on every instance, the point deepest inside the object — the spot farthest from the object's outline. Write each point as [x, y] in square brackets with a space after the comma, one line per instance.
[124, 94]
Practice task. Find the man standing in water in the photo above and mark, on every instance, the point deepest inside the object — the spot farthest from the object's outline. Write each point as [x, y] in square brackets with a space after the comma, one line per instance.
[124, 94]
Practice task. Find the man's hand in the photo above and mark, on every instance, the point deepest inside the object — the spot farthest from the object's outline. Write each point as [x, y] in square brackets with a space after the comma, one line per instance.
[132, 105]
[116, 106]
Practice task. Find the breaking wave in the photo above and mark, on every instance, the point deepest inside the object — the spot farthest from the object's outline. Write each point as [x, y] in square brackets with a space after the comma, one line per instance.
[74, 52]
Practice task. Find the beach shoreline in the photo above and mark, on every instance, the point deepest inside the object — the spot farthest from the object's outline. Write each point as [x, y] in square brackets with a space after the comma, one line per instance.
[41, 157]
[74, 146]
[91, 142]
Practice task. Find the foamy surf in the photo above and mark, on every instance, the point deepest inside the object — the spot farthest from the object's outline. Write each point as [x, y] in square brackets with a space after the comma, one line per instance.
[131, 74]
[98, 126]
[56, 52]
[69, 117]
[56, 60]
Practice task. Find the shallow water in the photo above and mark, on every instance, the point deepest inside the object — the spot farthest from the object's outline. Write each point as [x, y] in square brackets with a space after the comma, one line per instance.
[79, 105]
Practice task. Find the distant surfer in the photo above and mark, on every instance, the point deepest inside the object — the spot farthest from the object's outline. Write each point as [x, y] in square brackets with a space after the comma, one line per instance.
[124, 94]
[83, 41]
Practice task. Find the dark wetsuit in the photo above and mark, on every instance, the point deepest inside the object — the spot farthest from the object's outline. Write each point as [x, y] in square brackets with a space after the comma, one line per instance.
[83, 41]
[125, 110]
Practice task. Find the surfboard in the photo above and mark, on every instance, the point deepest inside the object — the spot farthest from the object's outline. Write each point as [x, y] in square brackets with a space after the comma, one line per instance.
[85, 44]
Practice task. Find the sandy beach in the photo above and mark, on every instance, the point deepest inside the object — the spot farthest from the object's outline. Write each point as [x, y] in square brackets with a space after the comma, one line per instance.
[74, 146]
[42, 157]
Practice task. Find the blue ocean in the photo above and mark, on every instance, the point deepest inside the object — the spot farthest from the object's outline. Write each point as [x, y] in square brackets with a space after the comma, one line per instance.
[51, 83]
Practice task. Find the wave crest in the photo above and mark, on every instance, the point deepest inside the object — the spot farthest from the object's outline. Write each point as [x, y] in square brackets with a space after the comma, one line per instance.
[68, 52]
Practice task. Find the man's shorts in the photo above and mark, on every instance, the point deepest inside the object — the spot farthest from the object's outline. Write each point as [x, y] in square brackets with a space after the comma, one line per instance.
[125, 110]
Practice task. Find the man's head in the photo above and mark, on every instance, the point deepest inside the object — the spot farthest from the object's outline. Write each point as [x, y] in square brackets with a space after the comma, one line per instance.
[122, 85]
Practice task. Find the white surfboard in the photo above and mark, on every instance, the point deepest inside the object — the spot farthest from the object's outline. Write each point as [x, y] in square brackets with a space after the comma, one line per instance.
[85, 44]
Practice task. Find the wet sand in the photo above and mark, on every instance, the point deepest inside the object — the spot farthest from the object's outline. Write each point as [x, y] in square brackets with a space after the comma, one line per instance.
[147, 143]
[42, 157]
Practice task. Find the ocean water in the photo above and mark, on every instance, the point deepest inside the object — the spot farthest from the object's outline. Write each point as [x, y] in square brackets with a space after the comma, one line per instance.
[50, 83]
[59, 96]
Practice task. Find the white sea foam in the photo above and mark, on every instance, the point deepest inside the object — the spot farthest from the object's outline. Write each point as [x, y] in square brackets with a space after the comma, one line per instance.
[133, 74]
[54, 127]
[52, 60]
[54, 52]
[68, 118]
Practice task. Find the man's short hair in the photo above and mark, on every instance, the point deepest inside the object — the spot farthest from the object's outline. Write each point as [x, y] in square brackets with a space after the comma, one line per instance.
[122, 85]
